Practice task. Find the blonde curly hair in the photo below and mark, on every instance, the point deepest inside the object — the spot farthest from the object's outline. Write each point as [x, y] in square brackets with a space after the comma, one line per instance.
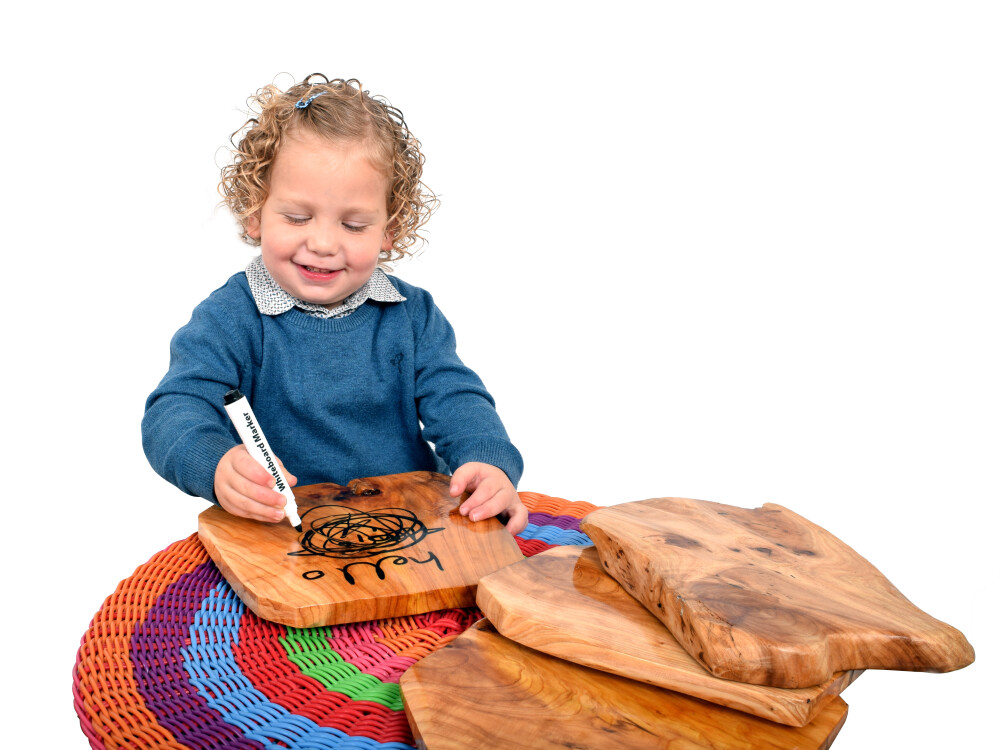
[344, 113]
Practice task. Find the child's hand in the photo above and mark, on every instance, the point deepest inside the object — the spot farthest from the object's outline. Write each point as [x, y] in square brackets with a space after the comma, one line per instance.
[492, 493]
[244, 487]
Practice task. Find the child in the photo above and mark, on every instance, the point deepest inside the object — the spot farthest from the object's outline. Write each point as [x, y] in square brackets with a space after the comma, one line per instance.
[351, 372]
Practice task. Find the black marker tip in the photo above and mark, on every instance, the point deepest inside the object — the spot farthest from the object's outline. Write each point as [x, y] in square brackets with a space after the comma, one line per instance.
[232, 396]
[298, 528]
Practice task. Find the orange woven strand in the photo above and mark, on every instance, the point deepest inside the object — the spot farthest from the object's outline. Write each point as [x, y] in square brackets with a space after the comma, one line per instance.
[555, 506]
[108, 690]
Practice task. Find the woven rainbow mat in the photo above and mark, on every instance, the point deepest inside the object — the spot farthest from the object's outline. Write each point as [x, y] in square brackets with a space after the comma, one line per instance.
[174, 660]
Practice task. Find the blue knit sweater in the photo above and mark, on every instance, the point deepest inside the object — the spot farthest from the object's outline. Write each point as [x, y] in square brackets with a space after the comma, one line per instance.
[338, 398]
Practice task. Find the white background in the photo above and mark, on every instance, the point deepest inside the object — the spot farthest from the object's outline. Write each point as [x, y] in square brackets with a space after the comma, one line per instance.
[742, 252]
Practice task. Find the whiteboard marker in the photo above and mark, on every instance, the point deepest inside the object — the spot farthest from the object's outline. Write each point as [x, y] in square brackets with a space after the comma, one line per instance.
[253, 438]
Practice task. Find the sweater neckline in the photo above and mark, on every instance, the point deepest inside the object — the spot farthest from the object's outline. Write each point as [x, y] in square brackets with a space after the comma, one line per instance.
[355, 320]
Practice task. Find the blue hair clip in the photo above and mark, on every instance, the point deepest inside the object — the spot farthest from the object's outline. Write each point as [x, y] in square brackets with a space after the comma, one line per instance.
[303, 102]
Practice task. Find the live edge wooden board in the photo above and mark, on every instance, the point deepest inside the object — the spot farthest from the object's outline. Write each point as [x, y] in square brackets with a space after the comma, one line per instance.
[563, 603]
[381, 547]
[764, 596]
[485, 691]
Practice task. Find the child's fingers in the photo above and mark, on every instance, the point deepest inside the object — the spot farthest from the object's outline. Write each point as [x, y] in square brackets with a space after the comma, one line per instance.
[257, 474]
[248, 508]
[480, 494]
[252, 500]
[492, 494]
[249, 469]
[461, 480]
[292, 481]
[244, 488]
[518, 519]
[249, 501]
[257, 493]
[485, 502]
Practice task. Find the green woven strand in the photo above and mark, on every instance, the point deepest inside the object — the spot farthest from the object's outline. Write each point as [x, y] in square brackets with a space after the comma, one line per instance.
[298, 640]
[309, 649]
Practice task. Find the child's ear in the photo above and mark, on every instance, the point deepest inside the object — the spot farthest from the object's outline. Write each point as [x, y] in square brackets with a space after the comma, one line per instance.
[388, 238]
[252, 227]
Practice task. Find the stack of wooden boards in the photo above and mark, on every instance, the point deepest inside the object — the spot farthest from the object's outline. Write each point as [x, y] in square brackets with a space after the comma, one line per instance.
[689, 621]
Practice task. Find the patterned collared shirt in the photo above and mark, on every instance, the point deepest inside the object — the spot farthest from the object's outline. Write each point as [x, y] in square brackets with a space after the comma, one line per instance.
[271, 299]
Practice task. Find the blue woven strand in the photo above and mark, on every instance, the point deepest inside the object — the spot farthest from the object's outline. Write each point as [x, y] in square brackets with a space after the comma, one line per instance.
[555, 535]
[213, 670]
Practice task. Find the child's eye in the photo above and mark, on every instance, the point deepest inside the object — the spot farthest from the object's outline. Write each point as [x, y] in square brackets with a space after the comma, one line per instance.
[294, 219]
[355, 227]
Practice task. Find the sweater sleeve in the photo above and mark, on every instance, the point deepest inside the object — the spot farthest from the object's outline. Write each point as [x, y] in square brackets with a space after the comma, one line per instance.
[185, 429]
[458, 413]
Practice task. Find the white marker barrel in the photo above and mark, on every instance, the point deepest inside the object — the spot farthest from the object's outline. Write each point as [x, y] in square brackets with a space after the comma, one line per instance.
[253, 438]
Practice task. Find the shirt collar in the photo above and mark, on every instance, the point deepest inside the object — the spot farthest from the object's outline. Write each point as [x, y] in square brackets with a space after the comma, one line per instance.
[271, 299]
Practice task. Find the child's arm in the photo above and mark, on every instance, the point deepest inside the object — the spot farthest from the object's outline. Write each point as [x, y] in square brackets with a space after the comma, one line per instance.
[185, 429]
[459, 417]
[492, 493]
[244, 487]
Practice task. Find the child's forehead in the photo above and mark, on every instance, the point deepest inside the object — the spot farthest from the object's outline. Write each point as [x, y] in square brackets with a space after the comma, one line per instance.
[300, 138]
[308, 168]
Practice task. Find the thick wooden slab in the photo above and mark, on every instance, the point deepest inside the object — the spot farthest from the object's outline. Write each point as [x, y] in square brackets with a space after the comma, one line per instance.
[765, 596]
[563, 603]
[485, 691]
[381, 547]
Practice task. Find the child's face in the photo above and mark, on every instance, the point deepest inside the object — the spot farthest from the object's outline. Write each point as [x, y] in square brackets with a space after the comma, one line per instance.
[324, 221]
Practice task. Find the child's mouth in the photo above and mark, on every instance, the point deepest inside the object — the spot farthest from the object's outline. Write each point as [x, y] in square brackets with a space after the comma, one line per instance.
[317, 274]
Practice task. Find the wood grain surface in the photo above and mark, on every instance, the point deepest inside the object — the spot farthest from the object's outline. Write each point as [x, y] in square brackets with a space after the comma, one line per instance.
[485, 691]
[562, 602]
[381, 547]
[764, 596]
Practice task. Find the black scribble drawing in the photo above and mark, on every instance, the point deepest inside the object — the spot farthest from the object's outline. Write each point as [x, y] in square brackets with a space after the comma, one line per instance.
[345, 533]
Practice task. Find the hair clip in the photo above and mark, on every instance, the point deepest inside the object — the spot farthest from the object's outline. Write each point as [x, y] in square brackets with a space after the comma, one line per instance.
[303, 102]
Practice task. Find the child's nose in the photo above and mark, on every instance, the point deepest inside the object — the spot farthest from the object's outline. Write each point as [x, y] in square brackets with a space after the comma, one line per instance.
[324, 241]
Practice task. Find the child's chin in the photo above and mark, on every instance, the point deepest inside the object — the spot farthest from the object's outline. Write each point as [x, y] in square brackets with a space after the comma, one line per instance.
[329, 304]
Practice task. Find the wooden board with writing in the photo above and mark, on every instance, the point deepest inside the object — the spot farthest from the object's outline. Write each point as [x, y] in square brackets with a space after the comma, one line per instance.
[381, 547]
[562, 602]
[484, 691]
[764, 596]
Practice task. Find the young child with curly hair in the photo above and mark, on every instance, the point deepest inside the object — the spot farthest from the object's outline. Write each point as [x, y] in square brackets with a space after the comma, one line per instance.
[353, 372]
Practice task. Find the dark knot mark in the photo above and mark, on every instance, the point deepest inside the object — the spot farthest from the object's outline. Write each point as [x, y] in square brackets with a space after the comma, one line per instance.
[676, 540]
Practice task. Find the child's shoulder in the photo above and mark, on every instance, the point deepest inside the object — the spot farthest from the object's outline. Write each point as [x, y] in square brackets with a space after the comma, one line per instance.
[402, 286]
[231, 304]
[419, 306]
[415, 295]
[235, 293]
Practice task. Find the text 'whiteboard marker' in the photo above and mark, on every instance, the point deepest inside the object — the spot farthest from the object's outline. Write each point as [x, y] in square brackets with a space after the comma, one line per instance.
[253, 438]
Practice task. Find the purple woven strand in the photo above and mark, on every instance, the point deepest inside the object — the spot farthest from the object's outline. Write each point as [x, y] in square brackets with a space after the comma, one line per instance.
[563, 522]
[159, 669]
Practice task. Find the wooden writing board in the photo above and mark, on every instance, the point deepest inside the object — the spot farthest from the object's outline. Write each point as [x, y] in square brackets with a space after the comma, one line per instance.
[381, 547]
[485, 691]
[563, 603]
[765, 596]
